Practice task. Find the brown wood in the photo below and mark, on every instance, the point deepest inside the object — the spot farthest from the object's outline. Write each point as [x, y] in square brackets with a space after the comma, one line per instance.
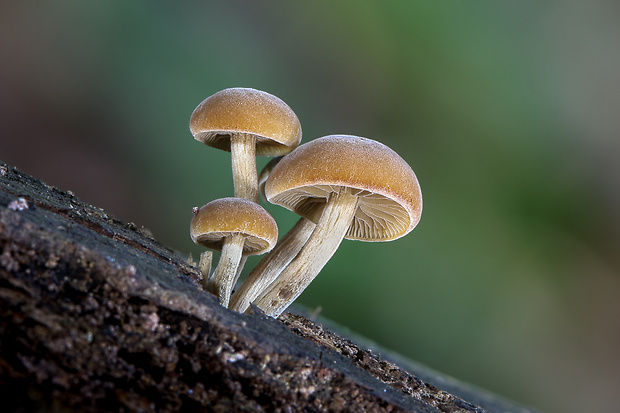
[95, 315]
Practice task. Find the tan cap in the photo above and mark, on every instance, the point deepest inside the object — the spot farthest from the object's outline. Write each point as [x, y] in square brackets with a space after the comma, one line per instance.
[248, 111]
[390, 200]
[221, 218]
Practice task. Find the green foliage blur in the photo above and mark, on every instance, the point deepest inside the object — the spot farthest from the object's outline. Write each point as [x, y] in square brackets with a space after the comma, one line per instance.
[506, 111]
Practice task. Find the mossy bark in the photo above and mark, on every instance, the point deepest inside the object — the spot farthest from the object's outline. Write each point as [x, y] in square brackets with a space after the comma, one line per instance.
[95, 315]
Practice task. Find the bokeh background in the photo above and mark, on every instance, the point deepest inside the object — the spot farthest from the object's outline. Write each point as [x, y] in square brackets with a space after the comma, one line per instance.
[507, 111]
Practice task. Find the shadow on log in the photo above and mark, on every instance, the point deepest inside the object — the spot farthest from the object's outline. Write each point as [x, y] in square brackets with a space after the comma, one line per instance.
[95, 315]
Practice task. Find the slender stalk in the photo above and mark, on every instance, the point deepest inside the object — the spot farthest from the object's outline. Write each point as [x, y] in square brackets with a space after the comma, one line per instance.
[221, 282]
[244, 258]
[264, 174]
[321, 246]
[272, 265]
[206, 258]
[243, 155]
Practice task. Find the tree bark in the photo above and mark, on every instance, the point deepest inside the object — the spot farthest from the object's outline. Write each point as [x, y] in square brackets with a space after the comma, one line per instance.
[96, 315]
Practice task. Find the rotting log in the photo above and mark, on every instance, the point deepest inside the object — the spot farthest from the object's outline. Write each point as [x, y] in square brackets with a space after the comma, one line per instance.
[96, 315]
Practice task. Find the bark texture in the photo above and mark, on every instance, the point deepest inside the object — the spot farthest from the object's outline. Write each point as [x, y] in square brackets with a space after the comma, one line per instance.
[96, 315]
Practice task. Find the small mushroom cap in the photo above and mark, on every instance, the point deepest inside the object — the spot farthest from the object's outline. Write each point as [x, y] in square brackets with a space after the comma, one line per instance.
[390, 200]
[221, 218]
[250, 111]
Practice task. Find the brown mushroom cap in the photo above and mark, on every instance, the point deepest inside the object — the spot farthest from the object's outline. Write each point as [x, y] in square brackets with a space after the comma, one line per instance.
[223, 217]
[390, 200]
[249, 111]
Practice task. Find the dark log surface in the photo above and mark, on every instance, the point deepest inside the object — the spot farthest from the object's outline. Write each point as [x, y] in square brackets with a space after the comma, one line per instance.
[96, 315]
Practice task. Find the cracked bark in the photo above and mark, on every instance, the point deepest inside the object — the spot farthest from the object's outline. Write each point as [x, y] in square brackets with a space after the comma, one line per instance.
[96, 315]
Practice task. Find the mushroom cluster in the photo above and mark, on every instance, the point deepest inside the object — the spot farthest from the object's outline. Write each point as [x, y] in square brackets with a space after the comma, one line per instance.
[342, 186]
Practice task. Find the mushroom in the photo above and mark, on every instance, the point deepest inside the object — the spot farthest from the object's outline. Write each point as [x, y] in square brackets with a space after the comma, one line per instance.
[352, 187]
[272, 264]
[246, 122]
[237, 227]
[264, 174]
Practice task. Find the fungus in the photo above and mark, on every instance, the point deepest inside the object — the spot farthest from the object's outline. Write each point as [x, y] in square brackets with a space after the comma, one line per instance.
[272, 264]
[237, 227]
[352, 187]
[246, 122]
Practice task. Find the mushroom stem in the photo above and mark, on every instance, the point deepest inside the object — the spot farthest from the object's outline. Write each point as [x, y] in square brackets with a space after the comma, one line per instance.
[243, 155]
[244, 258]
[272, 265]
[221, 282]
[204, 266]
[321, 246]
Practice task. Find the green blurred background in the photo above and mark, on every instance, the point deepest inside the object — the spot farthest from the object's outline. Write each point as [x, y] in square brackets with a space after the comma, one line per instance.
[507, 112]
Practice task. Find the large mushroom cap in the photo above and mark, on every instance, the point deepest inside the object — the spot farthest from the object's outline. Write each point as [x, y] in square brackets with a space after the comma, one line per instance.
[249, 111]
[390, 200]
[223, 217]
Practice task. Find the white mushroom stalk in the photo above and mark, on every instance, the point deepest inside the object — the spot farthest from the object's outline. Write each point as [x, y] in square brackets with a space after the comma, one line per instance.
[204, 266]
[244, 258]
[243, 160]
[320, 247]
[272, 264]
[222, 281]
